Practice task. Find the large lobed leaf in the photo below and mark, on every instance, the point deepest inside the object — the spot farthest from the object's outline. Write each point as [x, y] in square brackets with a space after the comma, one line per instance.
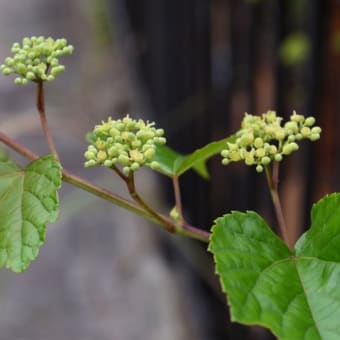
[172, 163]
[28, 201]
[295, 294]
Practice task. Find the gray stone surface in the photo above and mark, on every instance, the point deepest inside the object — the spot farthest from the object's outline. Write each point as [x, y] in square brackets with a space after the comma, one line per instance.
[100, 274]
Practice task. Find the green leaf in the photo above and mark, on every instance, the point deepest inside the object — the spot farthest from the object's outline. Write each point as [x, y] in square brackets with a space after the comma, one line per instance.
[173, 163]
[168, 160]
[200, 156]
[295, 294]
[91, 137]
[28, 201]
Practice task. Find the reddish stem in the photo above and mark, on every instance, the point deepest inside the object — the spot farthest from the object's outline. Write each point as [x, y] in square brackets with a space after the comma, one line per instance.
[188, 230]
[43, 119]
[273, 183]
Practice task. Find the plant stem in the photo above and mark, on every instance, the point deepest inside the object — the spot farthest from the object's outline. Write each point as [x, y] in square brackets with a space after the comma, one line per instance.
[43, 119]
[178, 199]
[79, 182]
[11, 143]
[119, 173]
[105, 194]
[165, 221]
[273, 183]
[182, 226]
[130, 182]
[193, 232]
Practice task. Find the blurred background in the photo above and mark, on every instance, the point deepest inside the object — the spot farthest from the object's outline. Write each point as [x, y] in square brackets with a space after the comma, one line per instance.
[195, 67]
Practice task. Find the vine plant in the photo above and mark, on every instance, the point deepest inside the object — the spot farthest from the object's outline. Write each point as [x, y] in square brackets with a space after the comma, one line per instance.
[292, 289]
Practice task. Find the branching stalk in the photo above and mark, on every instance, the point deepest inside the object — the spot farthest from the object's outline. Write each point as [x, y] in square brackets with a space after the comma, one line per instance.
[130, 182]
[141, 208]
[178, 199]
[273, 182]
[119, 173]
[193, 232]
[43, 119]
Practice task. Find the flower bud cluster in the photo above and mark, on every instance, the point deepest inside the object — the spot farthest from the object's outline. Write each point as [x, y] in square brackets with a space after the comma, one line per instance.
[263, 139]
[36, 59]
[126, 142]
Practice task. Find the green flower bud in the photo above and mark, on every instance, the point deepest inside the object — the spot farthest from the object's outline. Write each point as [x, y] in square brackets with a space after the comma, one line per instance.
[26, 41]
[259, 168]
[160, 140]
[269, 130]
[30, 75]
[108, 163]
[50, 77]
[54, 62]
[258, 143]
[247, 139]
[9, 61]
[18, 81]
[232, 146]
[298, 136]
[159, 132]
[297, 118]
[90, 163]
[37, 52]
[114, 132]
[310, 121]
[294, 146]
[100, 144]
[262, 139]
[225, 153]
[272, 149]
[174, 214]
[92, 149]
[249, 159]
[316, 130]
[121, 142]
[135, 166]
[265, 160]
[15, 47]
[136, 156]
[260, 153]
[126, 170]
[305, 131]
[154, 165]
[56, 70]
[120, 126]
[101, 155]
[287, 149]
[21, 68]
[291, 127]
[149, 153]
[314, 136]
[90, 155]
[6, 71]
[123, 159]
[235, 156]
[278, 157]
[279, 134]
